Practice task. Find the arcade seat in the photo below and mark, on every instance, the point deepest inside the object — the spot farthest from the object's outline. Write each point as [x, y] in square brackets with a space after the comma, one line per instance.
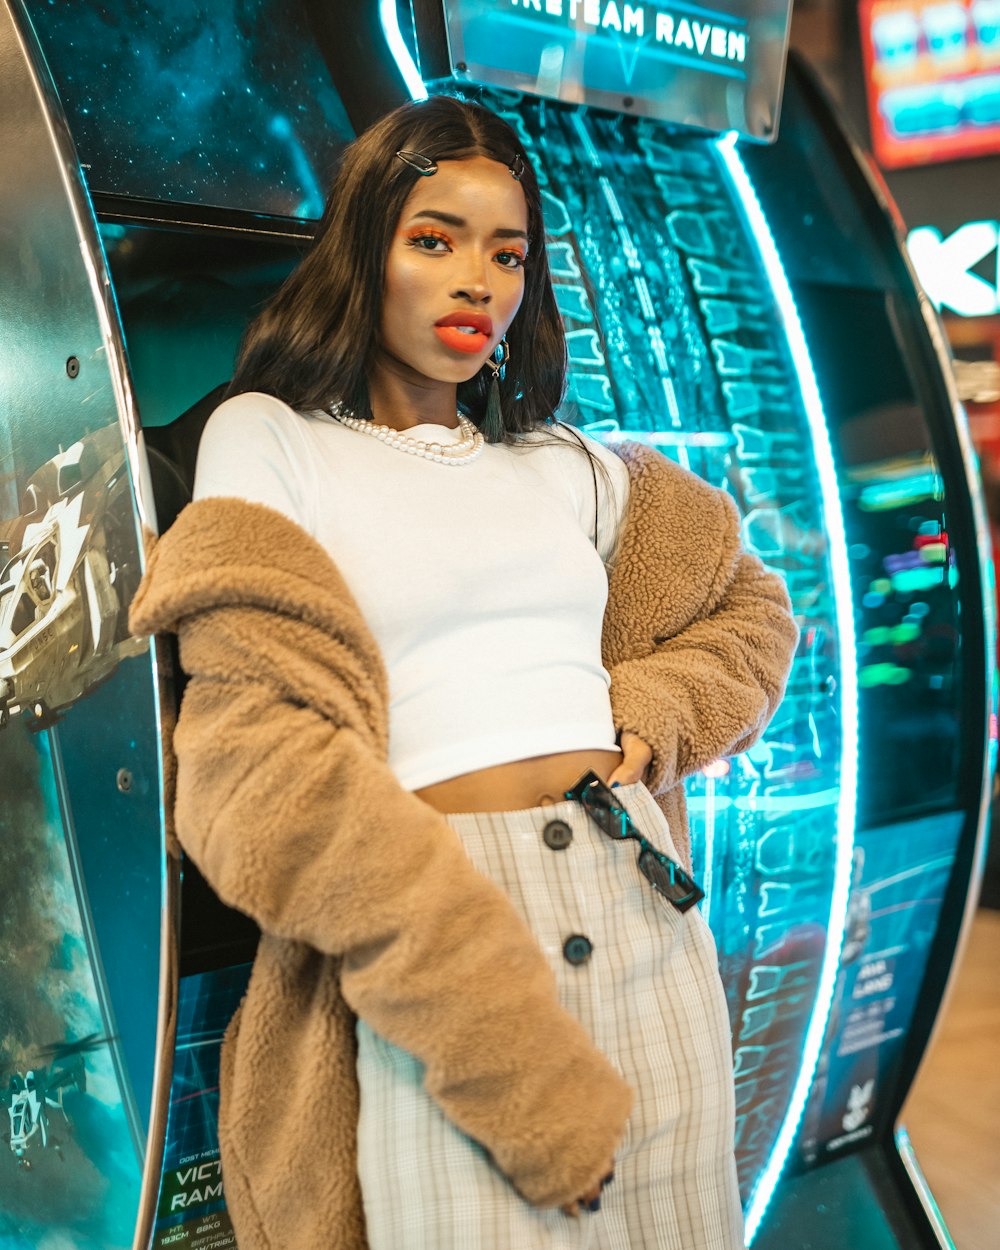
[173, 452]
[212, 935]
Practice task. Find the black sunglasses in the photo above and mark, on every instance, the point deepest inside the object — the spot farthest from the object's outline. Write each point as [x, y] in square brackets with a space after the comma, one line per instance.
[663, 873]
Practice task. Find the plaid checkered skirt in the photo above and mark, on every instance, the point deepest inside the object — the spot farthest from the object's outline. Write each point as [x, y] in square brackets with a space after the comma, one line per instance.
[644, 981]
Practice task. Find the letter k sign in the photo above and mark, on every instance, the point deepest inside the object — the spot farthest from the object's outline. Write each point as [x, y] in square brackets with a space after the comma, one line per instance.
[943, 266]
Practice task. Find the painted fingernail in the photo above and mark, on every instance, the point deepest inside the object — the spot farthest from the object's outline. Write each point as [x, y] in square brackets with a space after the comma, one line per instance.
[615, 785]
[608, 1179]
[594, 1204]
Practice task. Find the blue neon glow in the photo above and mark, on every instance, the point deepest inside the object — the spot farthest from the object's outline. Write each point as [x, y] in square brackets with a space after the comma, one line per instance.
[768, 804]
[389, 19]
[708, 875]
[847, 797]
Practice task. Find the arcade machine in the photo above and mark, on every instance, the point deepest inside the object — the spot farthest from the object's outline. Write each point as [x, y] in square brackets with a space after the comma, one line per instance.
[735, 294]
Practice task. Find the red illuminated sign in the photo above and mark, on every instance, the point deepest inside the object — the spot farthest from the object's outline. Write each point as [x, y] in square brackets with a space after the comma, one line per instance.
[933, 74]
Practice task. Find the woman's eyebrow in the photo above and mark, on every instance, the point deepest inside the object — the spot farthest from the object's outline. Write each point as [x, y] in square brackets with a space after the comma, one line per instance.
[449, 219]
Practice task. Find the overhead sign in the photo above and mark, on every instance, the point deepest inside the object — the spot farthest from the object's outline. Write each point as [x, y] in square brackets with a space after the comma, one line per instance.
[945, 267]
[932, 71]
[717, 68]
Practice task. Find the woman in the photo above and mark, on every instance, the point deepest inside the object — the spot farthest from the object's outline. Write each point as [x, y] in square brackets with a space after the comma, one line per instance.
[475, 1018]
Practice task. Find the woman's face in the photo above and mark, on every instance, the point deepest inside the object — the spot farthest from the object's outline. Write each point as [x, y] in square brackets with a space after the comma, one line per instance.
[454, 275]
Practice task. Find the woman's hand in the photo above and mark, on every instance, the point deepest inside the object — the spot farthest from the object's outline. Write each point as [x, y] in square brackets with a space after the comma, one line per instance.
[591, 1201]
[636, 758]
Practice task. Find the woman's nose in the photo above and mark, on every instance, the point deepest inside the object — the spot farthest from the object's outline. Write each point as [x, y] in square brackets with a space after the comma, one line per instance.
[473, 284]
[474, 292]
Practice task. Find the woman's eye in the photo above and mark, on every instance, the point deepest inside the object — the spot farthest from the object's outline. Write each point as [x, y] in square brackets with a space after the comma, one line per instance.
[429, 242]
[510, 260]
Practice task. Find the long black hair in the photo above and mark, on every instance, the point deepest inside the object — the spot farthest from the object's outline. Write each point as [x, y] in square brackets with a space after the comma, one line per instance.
[315, 342]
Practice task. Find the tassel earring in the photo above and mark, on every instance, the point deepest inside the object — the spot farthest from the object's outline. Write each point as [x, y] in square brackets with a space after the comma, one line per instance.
[492, 426]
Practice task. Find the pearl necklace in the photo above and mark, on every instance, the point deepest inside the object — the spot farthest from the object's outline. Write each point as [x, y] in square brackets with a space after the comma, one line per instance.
[469, 446]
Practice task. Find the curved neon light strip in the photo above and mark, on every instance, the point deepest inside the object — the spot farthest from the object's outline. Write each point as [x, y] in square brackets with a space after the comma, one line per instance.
[389, 19]
[847, 799]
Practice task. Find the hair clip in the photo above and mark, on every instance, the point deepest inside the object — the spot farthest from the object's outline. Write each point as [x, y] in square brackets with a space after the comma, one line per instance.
[416, 160]
[517, 167]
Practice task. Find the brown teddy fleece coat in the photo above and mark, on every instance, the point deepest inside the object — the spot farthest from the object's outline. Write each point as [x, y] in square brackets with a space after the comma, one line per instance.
[367, 902]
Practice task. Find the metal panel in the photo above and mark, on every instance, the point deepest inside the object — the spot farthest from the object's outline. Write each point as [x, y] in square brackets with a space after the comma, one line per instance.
[85, 991]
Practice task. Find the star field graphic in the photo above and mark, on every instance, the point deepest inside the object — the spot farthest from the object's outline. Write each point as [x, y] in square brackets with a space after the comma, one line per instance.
[222, 104]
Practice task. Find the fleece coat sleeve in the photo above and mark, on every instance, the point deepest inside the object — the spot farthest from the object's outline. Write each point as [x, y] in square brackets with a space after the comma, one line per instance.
[699, 635]
[287, 805]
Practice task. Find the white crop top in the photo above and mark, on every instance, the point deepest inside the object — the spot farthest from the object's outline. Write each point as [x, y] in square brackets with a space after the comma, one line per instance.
[480, 582]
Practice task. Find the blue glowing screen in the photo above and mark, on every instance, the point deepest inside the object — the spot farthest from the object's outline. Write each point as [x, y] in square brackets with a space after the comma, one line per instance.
[902, 556]
[223, 104]
[900, 875]
[191, 1207]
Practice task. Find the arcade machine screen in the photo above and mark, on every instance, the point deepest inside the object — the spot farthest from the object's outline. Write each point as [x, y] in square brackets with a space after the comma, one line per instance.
[217, 104]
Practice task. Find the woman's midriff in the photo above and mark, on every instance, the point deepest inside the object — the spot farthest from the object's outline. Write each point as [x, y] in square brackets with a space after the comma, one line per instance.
[519, 784]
